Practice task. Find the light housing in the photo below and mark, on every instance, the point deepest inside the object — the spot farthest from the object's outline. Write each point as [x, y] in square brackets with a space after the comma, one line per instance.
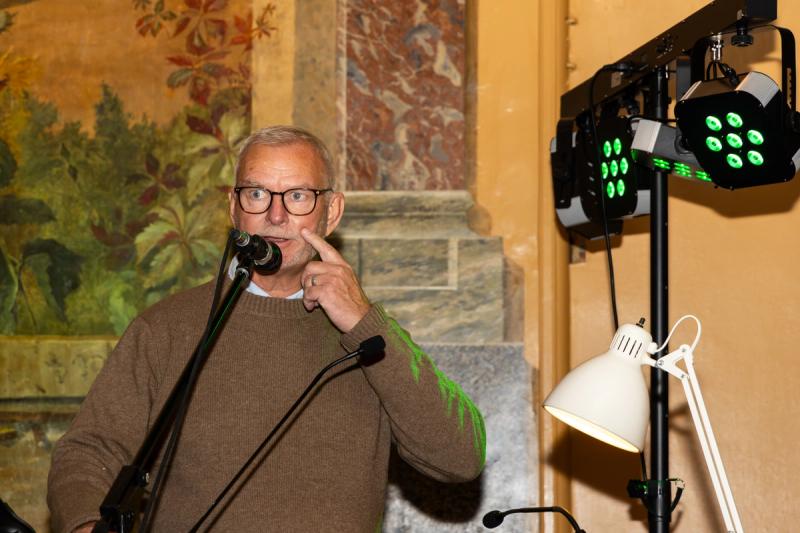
[582, 170]
[741, 136]
[606, 397]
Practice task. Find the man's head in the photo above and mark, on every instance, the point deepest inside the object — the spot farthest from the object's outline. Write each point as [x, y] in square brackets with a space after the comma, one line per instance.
[275, 160]
[285, 136]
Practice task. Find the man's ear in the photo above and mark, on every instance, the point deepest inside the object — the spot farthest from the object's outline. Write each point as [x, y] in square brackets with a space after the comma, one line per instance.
[335, 212]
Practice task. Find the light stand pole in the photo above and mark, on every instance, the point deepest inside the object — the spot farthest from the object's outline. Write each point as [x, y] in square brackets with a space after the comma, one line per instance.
[659, 495]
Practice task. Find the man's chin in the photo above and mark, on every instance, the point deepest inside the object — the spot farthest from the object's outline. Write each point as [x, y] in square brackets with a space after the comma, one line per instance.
[293, 263]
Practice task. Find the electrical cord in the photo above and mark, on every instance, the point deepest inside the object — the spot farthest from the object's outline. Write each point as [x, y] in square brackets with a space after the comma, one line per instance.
[596, 165]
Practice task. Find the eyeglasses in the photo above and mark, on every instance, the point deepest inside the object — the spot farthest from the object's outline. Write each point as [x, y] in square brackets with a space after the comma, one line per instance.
[298, 202]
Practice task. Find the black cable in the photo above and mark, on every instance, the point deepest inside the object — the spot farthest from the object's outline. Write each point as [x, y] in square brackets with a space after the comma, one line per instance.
[221, 276]
[180, 414]
[606, 236]
[644, 466]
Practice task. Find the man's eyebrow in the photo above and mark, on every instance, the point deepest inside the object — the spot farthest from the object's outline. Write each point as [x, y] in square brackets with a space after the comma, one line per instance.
[248, 183]
[251, 183]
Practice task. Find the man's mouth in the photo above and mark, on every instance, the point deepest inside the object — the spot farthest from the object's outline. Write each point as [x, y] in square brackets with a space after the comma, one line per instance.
[277, 240]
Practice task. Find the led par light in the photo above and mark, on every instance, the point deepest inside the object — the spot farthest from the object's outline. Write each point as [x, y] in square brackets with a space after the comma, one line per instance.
[742, 136]
[584, 170]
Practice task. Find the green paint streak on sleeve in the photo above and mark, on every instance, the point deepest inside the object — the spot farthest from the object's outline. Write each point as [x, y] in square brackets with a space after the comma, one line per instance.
[449, 390]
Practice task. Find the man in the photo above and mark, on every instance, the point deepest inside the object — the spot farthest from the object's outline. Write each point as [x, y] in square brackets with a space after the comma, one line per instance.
[327, 469]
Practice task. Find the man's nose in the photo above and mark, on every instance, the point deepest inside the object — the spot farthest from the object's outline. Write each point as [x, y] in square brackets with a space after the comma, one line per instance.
[277, 213]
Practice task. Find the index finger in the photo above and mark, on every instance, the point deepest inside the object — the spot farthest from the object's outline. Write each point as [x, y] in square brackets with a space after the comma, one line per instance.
[326, 252]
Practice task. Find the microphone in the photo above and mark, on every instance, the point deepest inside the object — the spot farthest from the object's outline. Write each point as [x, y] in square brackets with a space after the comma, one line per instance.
[492, 519]
[266, 255]
[370, 348]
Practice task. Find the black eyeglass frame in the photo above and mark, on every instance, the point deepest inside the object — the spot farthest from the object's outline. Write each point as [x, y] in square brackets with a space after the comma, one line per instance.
[317, 193]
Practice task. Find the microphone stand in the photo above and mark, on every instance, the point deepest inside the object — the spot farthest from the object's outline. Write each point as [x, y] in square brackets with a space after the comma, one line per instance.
[121, 504]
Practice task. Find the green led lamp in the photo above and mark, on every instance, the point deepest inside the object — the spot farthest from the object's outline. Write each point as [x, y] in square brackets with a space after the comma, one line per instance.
[741, 136]
[605, 178]
[617, 172]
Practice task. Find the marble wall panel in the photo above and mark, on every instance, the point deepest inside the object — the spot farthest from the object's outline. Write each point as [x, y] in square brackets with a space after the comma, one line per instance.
[380, 214]
[469, 310]
[404, 125]
[405, 262]
[498, 380]
[416, 255]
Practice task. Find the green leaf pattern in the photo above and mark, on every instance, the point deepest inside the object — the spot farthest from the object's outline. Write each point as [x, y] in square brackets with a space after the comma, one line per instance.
[450, 391]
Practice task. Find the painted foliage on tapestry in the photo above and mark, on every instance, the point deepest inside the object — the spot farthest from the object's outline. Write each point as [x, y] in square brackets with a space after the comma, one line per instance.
[109, 204]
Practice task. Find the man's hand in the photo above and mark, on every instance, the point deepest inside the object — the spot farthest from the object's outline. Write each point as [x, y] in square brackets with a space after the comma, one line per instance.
[332, 285]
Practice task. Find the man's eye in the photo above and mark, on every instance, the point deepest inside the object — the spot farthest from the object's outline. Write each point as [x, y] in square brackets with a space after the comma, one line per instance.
[299, 196]
[257, 194]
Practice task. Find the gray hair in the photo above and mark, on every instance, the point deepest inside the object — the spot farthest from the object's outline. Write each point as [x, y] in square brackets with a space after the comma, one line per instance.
[285, 136]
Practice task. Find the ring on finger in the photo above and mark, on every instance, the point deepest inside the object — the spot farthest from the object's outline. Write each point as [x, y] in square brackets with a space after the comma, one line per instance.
[313, 281]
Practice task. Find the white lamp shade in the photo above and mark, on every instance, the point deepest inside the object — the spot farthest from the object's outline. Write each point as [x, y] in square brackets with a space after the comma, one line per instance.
[606, 397]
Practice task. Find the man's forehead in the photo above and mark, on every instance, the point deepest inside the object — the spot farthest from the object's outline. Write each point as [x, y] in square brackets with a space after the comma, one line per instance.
[296, 163]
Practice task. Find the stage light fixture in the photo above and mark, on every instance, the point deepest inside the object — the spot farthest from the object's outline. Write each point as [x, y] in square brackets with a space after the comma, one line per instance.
[583, 170]
[741, 136]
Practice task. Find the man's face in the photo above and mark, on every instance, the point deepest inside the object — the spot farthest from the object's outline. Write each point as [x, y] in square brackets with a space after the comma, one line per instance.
[279, 168]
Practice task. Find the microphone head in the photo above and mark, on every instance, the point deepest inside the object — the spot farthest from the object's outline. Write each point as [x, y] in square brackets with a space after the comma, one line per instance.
[492, 519]
[240, 238]
[270, 259]
[372, 347]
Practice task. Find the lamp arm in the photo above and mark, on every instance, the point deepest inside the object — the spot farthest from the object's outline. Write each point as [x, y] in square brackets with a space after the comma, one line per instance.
[726, 487]
[705, 434]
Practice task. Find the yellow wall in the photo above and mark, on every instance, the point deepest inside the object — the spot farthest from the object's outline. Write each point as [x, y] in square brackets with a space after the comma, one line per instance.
[520, 58]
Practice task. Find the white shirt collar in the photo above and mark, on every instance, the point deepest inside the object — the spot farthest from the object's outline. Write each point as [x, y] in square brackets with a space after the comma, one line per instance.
[252, 288]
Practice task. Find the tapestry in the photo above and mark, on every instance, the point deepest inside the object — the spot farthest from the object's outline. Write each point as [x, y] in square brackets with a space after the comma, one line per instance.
[108, 205]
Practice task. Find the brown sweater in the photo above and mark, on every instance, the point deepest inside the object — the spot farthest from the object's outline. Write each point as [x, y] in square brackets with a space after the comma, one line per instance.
[327, 469]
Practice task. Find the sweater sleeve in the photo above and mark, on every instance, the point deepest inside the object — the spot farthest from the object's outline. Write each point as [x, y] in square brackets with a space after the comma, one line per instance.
[437, 428]
[105, 434]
